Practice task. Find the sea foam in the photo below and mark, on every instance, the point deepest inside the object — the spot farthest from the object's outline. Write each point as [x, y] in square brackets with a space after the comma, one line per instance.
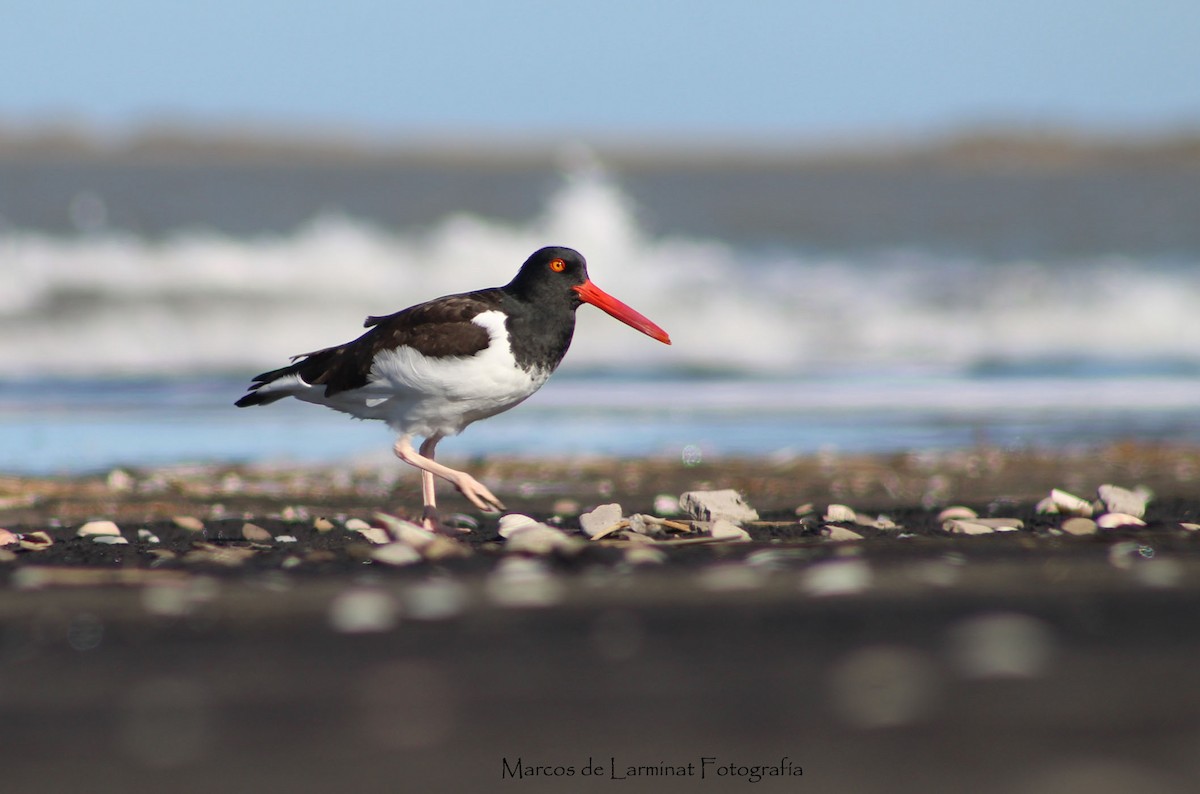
[113, 303]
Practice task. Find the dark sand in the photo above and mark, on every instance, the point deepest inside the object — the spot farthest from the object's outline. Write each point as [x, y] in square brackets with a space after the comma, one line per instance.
[912, 660]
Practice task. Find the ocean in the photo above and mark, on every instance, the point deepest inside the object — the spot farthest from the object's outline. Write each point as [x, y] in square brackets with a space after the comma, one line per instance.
[887, 304]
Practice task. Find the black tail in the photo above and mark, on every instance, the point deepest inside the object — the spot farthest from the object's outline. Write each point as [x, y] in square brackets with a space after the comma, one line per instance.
[254, 397]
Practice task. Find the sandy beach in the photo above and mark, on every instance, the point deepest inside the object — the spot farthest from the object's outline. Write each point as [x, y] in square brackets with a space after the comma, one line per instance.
[200, 654]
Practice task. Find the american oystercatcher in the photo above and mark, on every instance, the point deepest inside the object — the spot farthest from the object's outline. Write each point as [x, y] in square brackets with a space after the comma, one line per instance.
[434, 368]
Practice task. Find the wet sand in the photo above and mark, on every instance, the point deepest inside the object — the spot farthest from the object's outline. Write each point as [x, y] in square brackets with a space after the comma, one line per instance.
[913, 659]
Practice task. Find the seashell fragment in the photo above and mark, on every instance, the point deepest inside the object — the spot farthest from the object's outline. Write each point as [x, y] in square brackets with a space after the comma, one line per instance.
[961, 526]
[35, 541]
[1114, 520]
[414, 535]
[376, 535]
[1070, 503]
[1000, 524]
[97, 528]
[1122, 500]
[957, 511]
[723, 529]
[840, 534]
[600, 519]
[839, 513]
[512, 522]
[711, 505]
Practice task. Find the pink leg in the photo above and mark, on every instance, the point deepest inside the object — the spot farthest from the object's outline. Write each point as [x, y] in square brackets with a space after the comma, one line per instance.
[475, 491]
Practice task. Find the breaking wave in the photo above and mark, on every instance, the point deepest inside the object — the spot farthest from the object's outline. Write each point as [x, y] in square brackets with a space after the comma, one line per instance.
[114, 303]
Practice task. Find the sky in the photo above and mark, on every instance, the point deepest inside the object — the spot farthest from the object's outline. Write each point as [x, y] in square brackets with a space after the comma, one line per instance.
[665, 68]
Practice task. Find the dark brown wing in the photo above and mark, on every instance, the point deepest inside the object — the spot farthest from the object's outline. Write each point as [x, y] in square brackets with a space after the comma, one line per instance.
[438, 329]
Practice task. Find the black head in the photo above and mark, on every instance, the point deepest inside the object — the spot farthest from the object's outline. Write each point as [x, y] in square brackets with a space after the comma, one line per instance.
[549, 274]
[557, 276]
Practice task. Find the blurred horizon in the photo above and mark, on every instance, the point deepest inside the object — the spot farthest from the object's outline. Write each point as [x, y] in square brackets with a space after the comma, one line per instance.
[674, 70]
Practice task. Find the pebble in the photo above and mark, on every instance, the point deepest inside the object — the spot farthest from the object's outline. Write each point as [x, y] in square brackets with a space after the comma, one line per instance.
[1114, 520]
[1079, 525]
[957, 511]
[711, 505]
[147, 536]
[111, 540]
[395, 554]
[512, 522]
[256, 534]
[723, 529]
[1122, 500]
[322, 524]
[285, 539]
[356, 524]
[190, 523]
[600, 519]
[840, 534]
[97, 528]
[1190, 527]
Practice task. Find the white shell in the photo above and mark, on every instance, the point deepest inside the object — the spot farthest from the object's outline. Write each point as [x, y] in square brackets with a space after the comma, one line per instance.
[513, 522]
[961, 526]
[98, 528]
[1113, 520]
[1122, 500]
[840, 534]
[1070, 503]
[957, 511]
[836, 513]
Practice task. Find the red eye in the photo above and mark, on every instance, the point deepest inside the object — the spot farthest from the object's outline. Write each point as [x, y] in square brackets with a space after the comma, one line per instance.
[557, 265]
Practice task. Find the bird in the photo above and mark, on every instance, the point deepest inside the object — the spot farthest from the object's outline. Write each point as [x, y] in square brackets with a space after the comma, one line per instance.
[432, 369]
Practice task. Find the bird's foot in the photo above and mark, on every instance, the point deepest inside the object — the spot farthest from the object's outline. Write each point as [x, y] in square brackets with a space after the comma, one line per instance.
[477, 493]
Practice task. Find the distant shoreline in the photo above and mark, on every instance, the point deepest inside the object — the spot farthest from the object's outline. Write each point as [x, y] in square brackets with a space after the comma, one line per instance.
[977, 148]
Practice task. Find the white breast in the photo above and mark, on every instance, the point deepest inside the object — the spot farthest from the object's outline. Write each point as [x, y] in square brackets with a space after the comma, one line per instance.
[425, 395]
